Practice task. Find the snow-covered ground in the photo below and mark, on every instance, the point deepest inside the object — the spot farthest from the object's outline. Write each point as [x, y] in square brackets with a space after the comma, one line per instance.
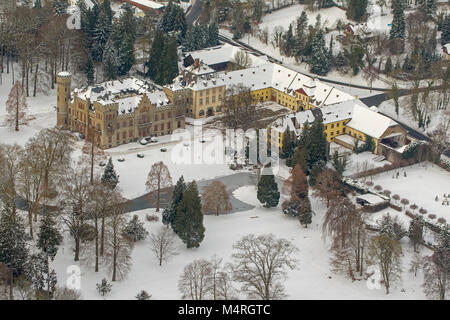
[311, 279]
[437, 117]
[423, 182]
[40, 114]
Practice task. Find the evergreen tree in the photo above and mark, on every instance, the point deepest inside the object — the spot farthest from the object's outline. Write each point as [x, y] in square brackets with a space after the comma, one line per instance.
[100, 36]
[305, 212]
[315, 171]
[143, 295]
[288, 146]
[110, 176]
[189, 219]
[258, 6]
[13, 244]
[268, 193]
[357, 9]
[60, 6]
[300, 157]
[90, 71]
[135, 229]
[108, 11]
[49, 238]
[445, 35]
[398, 29]
[104, 287]
[37, 4]
[126, 55]
[169, 214]
[317, 148]
[170, 61]
[43, 278]
[320, 62]
[154, 63]
[388, 66]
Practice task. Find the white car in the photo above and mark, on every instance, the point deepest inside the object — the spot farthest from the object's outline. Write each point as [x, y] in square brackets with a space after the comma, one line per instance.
[140, 155]
[121, 159]
[153, 139]
[143, 141]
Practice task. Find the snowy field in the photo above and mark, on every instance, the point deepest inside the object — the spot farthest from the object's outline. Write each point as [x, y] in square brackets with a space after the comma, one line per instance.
[311, 279]
[423, 182]
[40, 114]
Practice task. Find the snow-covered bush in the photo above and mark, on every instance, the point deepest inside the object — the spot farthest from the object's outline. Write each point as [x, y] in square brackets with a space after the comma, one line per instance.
[135, 229]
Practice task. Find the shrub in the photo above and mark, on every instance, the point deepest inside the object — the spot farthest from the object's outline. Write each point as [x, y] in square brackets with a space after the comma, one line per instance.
[422, 211]
[432, 216]
[151, 218]
[396, 197]
[413, 206]
[378, 187]
[441, 220]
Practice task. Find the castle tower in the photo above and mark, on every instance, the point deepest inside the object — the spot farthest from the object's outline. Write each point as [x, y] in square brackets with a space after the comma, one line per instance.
[63, 81]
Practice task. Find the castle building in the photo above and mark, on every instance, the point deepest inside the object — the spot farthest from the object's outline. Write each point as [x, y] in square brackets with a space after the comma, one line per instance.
[120, 111]
[207, 88]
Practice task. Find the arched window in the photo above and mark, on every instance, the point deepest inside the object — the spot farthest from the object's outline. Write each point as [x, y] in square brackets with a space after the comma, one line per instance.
[201, 113]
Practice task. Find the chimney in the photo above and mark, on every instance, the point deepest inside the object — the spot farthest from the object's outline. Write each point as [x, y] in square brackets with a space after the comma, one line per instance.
[196, 62]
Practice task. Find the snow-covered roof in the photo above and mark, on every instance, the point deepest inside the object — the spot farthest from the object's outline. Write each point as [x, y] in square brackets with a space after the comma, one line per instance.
[64, 74]
[223, 53]
[127, 93]
[269, 75]
[149, 4]
[447, 48]
[294, 121]
[369, 122]
[371, 199]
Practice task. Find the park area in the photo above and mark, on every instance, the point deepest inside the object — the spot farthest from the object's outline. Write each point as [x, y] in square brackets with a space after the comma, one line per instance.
[425, 184]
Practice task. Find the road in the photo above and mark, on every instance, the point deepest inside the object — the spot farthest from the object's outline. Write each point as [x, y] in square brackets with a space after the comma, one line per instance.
[232, 182]
[194, 12]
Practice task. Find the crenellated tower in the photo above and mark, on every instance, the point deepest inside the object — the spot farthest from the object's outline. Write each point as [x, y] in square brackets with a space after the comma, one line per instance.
[63, 81]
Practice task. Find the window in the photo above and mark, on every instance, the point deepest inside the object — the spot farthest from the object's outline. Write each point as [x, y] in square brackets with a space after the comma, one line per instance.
[179, 124]
[201, 93]
[156, 117]
[201, 113]
[131, 122]
[118, 125]
[207, 100]
[200, 101]
[124, 135]
[162, 126]
[213, 99]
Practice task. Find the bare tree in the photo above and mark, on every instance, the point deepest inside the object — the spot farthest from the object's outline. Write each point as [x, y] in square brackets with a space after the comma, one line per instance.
[327, 186]
[437, 274]
[385, 252]
[16, 105]
[102, 202]
[239, 111]
[337, 221]
[216, 198]
[92, 151]
[162, 243]
[224, 284]
[260, 264]
[9, 172]
[118, 245]
[158, 178]
[241, 60]
[75, 193]
[194, 283]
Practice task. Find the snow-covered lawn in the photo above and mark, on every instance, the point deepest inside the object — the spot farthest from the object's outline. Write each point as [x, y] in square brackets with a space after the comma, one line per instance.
[423, 182]
[437, 117]
[40, 114]
[133, 171]
[311, 279]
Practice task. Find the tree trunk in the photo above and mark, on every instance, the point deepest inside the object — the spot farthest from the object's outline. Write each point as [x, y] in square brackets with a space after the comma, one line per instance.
[35, 80]
[77, 249]
[102, 237]
[96, 244]
[30, 221]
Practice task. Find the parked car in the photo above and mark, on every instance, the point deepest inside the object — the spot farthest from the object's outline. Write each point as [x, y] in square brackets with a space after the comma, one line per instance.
[163, 149]
[102, 163]
[143, 141]
[121, 159]
[140, 155]
[153, 139]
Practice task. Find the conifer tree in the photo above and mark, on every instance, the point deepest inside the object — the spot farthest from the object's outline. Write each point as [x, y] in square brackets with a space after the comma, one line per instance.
[104, 287]
[43, 278]
[388, 66]
[154, 63]
[445, 35]
[357, 9]
[189, 219]
[170, 213]
[60, 6]
[135, 229]
[90, 71]
[317, 148]
[110, 176]
[398, 30]
[49, 238]
[305, 212]
[13, 244]
[268, 193]
[170, 61]
[320, 62]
